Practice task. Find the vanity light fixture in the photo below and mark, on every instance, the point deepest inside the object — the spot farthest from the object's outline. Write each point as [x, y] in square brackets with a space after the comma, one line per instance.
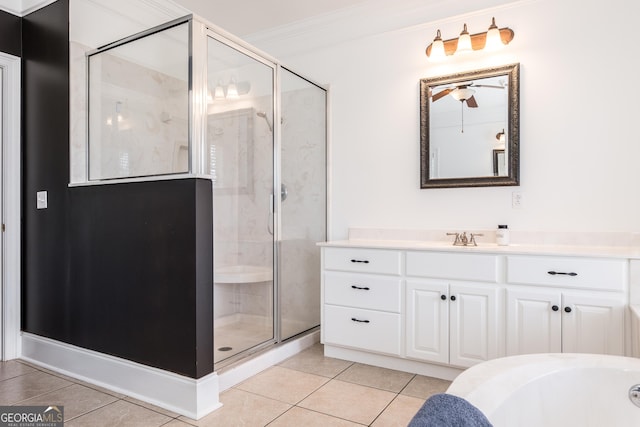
[437, 48]
[464, 42]
[218, 92]
[494, 41]
[231, 91]
[494, 38]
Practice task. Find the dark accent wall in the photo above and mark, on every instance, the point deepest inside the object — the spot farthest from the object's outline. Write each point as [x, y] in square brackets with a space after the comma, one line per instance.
[123, 269]
[45, 167]
[136, 288]
[10, 34]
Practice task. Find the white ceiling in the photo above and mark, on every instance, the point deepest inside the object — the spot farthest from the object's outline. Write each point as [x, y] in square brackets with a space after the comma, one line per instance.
[239, 17]
[281, 28]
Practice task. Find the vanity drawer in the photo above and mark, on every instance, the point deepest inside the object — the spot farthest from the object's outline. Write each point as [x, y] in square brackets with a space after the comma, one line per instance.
[454, 266]
[363, 329]
[363, 291]
[363, 260]
[568, 272]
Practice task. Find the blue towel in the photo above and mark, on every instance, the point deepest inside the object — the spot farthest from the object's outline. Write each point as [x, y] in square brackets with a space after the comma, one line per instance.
[447, 410]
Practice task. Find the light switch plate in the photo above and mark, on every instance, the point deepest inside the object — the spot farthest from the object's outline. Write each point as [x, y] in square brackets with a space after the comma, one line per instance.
[41, 200]
[516, 200]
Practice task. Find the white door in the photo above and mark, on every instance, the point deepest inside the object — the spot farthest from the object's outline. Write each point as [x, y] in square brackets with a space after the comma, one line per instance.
[593, 323]
[10, 205]
[2, 338]
[474, 321]
[533, 321]
[427, 321]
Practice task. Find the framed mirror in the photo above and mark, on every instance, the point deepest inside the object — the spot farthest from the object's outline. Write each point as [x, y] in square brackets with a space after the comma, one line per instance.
[470, 129]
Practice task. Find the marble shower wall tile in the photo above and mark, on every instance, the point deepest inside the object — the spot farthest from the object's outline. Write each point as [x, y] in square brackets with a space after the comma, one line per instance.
[140, 127]
[78, 111]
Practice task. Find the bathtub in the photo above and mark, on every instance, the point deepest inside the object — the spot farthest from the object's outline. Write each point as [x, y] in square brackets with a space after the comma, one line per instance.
[553, 390]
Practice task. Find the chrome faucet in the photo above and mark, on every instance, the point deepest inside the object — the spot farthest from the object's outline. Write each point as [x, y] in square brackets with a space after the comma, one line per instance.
[462, 239]
[456, 241]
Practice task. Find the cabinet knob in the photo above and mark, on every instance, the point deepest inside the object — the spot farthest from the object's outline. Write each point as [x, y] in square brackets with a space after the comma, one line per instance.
[555, 308]
[567, 309]
[453, 297]
[443, 297]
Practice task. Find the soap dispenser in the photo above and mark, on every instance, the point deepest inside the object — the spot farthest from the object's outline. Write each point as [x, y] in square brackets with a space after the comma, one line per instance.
[502, 235]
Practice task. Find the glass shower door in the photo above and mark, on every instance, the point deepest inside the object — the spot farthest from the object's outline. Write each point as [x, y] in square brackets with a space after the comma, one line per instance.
[239, 159]
[303, 202]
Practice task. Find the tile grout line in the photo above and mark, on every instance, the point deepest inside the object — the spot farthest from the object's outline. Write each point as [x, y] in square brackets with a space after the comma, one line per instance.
[407, 384]
[384, 409]
[72, 382]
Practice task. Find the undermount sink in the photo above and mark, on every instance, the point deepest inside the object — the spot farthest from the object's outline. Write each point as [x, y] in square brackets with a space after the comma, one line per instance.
[243, 274]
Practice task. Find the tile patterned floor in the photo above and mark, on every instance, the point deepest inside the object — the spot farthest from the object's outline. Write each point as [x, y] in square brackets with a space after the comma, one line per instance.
[306, 390]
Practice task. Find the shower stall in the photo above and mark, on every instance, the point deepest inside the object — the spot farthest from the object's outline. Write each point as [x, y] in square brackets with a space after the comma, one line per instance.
[187, 100]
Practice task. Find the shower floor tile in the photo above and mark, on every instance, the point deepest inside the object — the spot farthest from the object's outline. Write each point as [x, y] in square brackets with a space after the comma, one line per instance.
[237, 333]
[306, 390]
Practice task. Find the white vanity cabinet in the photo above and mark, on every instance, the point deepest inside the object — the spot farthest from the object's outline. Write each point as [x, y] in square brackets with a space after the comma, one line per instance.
[448, 320]
[577, 305]
[437, 310]
[362, 294]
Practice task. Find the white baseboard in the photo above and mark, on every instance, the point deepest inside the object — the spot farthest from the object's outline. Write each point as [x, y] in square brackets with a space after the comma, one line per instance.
[183, 395]
[235, 375]
[390, 362]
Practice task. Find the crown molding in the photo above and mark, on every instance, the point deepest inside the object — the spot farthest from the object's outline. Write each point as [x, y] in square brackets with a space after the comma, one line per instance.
[362, 20]
[125, 17]
[13, 7]
[29, 6]
[23, 7]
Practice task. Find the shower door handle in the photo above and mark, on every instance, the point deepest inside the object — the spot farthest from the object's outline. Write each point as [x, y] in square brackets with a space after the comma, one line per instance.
[270, 215]
[284, 192]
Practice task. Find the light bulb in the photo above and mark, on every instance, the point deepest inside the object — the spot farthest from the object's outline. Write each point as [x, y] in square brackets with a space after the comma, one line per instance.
[232, 89]
[464, 42]
[437, 48]
[494, 41]
[218, 92]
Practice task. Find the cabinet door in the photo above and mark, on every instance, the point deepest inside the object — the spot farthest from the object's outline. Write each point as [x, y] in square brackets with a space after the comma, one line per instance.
[593, 323]
[474, 323]
[427, 323]
[533, 321]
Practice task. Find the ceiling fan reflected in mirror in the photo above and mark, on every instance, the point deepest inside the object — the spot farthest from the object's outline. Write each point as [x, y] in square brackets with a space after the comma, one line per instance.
[463, 93]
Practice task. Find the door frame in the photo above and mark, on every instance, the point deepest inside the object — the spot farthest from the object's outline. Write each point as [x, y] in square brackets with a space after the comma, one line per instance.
[11, 208]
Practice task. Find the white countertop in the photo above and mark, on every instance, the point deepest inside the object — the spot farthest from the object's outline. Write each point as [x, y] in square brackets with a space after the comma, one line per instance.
[513, 249]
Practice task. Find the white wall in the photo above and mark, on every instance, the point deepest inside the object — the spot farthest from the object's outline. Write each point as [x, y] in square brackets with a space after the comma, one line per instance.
[580, 153]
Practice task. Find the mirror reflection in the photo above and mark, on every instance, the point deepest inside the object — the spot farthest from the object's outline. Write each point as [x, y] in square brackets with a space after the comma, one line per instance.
[469, 129]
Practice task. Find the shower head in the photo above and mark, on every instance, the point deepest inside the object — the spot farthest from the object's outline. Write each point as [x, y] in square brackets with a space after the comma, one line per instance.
[266, 119]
